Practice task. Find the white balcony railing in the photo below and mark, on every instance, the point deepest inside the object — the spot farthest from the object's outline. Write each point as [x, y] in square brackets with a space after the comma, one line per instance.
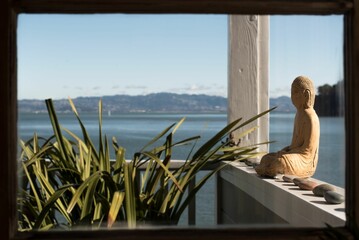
[258, 200]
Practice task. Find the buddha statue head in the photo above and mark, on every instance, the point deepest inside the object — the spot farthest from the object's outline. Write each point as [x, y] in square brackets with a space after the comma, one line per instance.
[303, 93]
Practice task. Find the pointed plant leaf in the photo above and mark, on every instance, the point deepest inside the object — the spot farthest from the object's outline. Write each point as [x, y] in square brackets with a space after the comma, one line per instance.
[56, 128]
[50, 204]
[85, 134]
[116, 205]
[33, 187]
[214, 140]
[161, 134]
[254, 118]
[130, 199]
[81, 189]
[178, 125]
[165, 168]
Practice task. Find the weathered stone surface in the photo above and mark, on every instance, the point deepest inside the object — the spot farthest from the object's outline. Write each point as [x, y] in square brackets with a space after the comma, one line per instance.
[307, 185]
[322, 188]
[296, 181]
[289, 178]
[333, 197]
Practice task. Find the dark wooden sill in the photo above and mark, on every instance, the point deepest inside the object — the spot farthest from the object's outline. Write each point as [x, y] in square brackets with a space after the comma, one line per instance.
[193, 233]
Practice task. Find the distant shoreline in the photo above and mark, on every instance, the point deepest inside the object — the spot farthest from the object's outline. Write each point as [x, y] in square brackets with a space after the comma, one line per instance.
[151, 103]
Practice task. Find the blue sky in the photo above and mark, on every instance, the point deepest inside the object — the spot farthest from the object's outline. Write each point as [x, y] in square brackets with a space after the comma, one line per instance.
[305, 45]
[95, 55]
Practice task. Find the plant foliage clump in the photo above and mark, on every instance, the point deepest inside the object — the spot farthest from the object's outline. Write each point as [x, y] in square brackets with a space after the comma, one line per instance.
[67, 181]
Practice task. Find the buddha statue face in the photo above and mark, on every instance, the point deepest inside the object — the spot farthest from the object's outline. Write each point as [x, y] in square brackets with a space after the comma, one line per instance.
[302, 93]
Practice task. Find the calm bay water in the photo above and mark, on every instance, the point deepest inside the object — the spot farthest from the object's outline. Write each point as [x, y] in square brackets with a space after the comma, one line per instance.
[133, 131]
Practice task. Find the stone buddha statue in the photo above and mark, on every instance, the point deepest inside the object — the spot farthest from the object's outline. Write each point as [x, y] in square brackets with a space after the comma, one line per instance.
[300, 158]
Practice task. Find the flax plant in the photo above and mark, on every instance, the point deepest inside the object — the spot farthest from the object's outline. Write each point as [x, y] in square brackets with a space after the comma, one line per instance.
[66, 181]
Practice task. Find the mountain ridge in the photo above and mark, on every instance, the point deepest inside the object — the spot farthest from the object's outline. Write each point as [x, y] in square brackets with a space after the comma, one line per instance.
[153, 103]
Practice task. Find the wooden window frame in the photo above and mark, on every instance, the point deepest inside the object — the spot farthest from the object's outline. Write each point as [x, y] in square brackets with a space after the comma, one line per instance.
[9, 9]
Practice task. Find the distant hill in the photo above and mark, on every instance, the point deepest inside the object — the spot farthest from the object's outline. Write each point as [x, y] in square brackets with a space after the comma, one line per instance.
[283, 104]
[156, 102]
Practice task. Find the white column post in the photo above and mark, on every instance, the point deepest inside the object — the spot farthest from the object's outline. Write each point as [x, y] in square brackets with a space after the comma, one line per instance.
[248, 76]
[248, 73]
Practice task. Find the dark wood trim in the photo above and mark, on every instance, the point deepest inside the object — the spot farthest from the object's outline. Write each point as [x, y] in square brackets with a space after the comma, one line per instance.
[8, 123]
[256, 232]
[185, 6]
[351, 66]
[4, 81]
[8, 99]
[12, 126]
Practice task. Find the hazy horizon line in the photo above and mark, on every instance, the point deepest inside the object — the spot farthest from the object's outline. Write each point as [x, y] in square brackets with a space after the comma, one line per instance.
[135, 95]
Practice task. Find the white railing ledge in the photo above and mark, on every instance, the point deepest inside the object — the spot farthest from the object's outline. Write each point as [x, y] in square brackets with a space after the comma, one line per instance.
[297, 207]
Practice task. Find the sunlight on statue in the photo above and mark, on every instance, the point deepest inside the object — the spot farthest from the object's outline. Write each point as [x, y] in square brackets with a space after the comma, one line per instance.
[300, 158]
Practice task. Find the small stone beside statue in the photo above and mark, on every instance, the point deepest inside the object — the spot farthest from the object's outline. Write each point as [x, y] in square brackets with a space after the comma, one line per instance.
[300, 158]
